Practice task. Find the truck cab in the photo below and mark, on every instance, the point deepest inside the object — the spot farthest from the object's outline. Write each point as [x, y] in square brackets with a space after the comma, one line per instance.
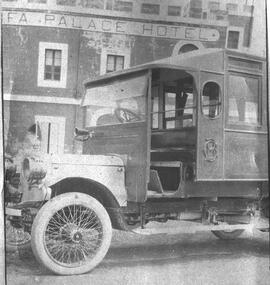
[190, 126]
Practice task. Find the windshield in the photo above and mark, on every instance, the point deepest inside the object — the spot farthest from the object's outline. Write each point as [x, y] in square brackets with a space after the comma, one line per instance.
[119, 102]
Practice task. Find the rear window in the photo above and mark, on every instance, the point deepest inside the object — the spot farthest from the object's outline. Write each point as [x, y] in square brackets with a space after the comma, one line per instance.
[244, 100]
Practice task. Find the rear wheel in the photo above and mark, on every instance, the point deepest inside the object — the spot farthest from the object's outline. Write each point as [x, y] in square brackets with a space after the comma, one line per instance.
[71, 234]
[228, 234]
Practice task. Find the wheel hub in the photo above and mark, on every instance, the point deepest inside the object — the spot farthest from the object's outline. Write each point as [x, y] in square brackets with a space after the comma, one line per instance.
[72, 233]
[76, 236]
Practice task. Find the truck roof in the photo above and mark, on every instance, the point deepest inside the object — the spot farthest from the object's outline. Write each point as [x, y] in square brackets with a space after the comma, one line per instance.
[210, 59]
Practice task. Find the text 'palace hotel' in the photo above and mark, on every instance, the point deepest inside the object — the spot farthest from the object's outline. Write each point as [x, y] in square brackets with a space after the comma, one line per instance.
[51, 46]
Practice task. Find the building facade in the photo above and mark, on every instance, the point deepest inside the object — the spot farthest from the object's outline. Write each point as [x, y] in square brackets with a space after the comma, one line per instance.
[51, 46]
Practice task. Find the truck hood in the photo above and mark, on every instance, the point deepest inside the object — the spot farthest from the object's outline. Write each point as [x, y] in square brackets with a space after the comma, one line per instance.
[81, 159]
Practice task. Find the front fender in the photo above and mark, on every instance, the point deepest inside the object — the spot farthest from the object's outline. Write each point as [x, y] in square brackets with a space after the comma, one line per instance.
[106, 170]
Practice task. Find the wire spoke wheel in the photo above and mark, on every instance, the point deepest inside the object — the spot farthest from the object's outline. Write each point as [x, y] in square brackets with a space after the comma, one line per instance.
[75, 236]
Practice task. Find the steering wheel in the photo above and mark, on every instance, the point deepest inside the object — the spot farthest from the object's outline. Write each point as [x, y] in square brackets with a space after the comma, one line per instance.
[125, 115]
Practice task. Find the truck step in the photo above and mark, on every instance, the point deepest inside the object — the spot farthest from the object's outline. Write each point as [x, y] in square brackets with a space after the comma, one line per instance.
[180, 227]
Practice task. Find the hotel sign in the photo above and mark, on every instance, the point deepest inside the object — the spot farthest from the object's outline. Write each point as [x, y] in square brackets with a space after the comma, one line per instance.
[94, 24]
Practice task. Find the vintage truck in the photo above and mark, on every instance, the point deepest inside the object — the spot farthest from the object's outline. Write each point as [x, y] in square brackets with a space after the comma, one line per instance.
[178, 145]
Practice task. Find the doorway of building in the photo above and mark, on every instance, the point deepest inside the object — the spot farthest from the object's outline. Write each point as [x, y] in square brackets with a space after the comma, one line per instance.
[52, 133]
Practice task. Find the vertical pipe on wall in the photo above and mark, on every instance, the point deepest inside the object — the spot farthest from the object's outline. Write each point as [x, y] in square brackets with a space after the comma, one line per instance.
[251, 25]
[77, 116]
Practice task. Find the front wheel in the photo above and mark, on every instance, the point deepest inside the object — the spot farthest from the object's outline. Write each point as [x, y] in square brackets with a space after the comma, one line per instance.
[71, 234]
[228, 234]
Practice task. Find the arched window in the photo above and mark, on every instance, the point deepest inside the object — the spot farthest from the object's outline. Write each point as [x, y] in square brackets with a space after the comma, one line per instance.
[187, 48]
[211, 100]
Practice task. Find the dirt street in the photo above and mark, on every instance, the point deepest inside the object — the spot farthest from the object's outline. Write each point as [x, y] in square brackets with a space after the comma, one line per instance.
[186, 259]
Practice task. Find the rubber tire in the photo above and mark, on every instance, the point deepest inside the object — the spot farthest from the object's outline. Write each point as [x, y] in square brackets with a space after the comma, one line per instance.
[43, 217]
[228, 235]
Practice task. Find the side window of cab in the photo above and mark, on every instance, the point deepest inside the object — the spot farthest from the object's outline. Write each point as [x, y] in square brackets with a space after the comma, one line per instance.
[244, 101]
[174, 104]
[211, 100]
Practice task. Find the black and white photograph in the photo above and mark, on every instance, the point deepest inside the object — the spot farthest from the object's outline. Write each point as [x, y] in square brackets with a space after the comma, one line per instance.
[135, 140]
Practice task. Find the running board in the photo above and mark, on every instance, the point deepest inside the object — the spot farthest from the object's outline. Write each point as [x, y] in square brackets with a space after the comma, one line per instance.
[180, 227]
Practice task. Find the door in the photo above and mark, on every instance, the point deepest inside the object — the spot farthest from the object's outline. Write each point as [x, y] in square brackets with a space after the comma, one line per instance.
[52, 133]
[210, 127]
[117, 116]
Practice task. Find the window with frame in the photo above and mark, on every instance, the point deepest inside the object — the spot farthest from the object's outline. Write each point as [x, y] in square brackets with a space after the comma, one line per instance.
[66, 2]
[213, 6]
[114, 62]
[194, 4]
[187, 48]
[125, 6]
[109, 4]
[52, 65]
[211, 100]
[233, 39]
[38, 1]
[174, 10]
[248, 8]
[94, 4]
[244, 100]
[150, 8]
[231, 7]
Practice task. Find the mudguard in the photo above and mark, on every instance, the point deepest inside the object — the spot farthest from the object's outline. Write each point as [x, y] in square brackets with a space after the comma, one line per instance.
[107, 170]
